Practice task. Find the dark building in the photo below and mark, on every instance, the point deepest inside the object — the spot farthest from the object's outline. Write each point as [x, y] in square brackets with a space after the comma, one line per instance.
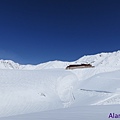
[77, 66]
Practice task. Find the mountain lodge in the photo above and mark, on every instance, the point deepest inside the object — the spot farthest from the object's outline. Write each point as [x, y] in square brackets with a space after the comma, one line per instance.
[78, 66]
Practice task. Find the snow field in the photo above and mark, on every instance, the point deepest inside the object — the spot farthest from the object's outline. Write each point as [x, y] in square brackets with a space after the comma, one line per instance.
[75, 113]
[34, 88]
[32, 91]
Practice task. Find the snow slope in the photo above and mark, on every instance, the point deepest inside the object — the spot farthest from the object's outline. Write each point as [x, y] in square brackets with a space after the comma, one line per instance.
[100, 89]
[33, 91]
[76, 113]
[109, 81]
[47, 86]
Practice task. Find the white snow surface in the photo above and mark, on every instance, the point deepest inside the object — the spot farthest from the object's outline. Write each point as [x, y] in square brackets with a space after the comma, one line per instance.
[49, 86]
[32, 91]
[75, 113]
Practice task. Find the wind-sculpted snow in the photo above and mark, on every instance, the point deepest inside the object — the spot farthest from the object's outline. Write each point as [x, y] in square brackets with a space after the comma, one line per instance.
[100, 89]
[109, 81]
[33, 91]
[28, 91]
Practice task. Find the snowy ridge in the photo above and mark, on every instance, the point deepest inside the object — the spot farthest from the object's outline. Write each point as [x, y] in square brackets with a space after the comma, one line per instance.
[102, 59]
[99, 60]
[8, 64]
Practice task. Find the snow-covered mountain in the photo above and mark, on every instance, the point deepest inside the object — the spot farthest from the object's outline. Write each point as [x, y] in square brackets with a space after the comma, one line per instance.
[111, 59]
[102, 59]
[48, 86]
[8, 64]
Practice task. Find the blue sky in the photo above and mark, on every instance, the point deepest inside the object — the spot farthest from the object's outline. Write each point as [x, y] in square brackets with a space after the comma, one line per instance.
[35, 31]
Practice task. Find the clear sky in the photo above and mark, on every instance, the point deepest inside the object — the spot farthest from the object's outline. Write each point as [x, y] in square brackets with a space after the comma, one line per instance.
[35, 31]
